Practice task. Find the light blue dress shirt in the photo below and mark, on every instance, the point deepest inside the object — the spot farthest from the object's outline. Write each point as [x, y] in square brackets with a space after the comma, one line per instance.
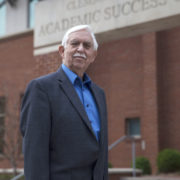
[83, 90]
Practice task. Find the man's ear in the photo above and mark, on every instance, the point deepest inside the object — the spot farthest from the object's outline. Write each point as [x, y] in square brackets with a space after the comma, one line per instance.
[61, 51]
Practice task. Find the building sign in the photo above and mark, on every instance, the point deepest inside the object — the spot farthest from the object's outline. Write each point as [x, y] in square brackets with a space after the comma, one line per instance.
[108, 18]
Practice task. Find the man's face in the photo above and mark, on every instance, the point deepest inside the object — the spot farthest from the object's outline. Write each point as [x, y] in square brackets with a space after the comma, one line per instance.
[79, 51]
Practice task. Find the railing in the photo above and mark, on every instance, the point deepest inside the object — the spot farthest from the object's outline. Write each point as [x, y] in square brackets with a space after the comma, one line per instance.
[18, 176]
[133, 150]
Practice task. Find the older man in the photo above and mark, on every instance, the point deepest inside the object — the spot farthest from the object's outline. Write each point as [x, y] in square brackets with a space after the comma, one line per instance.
[64, 118]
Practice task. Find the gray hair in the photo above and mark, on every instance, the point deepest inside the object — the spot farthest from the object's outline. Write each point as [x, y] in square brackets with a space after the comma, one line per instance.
[77, 28]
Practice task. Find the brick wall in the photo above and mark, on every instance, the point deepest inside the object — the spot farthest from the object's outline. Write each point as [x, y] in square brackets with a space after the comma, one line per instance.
[16, 70]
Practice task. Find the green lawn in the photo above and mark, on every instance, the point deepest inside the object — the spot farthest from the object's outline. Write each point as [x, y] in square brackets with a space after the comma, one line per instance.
[8, 177]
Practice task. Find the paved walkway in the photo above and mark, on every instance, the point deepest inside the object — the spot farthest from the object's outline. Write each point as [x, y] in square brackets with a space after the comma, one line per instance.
[152, 178]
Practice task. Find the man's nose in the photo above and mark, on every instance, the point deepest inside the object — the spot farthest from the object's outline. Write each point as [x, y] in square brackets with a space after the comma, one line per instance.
[80, 47]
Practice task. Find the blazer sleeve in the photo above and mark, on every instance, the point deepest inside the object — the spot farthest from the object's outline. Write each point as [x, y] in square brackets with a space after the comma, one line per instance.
[35, 126]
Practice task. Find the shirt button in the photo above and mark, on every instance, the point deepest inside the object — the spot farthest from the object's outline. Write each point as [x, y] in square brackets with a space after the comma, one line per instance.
[87, 105]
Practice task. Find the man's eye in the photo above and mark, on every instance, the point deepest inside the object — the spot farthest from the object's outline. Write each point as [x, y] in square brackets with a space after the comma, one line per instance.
[87, 45]
[74, 43]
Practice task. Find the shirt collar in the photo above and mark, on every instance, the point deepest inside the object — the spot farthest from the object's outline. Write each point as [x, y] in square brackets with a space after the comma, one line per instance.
[72, 76]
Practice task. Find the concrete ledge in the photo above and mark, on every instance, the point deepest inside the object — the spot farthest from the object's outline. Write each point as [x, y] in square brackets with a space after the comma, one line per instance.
[123, 171]
[118, 173]
[10, 170]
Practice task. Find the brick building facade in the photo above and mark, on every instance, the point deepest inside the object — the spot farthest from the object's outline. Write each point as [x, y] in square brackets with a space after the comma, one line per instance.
[139, 74]
[16, 70]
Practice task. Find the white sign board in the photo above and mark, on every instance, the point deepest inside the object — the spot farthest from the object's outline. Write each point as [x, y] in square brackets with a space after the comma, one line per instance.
[119, 17]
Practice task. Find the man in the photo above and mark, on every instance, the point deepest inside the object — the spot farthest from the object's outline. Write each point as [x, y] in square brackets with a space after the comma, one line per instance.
[64, 119]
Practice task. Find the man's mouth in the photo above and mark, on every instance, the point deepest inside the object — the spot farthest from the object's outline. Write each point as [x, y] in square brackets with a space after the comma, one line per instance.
[79, 55]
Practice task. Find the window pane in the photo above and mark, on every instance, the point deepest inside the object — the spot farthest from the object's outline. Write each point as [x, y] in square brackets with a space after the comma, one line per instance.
[133, 126]
[31, 12]
[2, 19]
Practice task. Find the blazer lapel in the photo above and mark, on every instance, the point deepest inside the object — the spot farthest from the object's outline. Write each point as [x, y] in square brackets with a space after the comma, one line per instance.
[71, 94]
[98, 99]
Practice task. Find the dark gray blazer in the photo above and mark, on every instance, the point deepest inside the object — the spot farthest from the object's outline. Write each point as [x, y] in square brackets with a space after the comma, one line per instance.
[58, 140]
